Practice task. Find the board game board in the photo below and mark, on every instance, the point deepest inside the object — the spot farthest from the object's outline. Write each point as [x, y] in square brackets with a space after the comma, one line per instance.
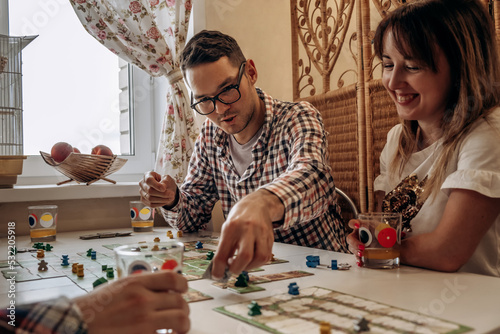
[304, 313]
[196, 260]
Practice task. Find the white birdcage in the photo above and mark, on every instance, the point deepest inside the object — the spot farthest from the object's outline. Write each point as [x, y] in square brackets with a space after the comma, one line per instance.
[11, 108]
[11, 99]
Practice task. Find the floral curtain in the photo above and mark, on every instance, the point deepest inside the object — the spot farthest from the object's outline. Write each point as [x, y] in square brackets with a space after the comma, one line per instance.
[151, 35]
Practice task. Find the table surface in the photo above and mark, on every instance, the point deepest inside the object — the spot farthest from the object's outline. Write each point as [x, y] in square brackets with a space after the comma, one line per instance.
[464, 298]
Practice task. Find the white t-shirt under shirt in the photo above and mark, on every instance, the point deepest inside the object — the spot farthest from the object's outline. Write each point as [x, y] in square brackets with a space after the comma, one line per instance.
[242, 154]
[475, 166]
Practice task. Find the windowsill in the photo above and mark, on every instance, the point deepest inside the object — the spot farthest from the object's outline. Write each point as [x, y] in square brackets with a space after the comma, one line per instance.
[100, 189]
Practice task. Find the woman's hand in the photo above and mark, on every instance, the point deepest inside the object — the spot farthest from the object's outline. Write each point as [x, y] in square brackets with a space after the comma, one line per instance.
[355, 245]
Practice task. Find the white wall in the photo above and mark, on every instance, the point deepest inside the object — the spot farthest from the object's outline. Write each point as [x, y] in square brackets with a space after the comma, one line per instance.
[262, 29]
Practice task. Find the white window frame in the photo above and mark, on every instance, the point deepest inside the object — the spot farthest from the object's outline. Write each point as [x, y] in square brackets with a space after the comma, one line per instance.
[145, 128]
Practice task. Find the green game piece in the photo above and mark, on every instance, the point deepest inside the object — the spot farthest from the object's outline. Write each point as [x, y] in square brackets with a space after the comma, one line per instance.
[254, 309]
[99, 281]
[241, 281]
[89, 252]
[210, 255]
[104, 267]
[48, 247]
[110, 273]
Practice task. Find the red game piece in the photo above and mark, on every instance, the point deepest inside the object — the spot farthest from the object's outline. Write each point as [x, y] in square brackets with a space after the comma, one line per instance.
[169, 264]
[387, 237]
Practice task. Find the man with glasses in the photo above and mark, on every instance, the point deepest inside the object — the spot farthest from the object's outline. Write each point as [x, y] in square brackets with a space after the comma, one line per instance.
[264, 159]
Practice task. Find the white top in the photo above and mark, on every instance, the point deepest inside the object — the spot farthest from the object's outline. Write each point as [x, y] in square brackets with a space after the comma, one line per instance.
[474, 166]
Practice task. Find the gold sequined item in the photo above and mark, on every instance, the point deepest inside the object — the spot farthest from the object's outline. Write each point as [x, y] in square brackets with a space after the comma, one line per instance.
[406, 199]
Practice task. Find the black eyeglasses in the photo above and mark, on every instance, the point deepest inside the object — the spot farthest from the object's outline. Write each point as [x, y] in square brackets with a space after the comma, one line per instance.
[229, 95]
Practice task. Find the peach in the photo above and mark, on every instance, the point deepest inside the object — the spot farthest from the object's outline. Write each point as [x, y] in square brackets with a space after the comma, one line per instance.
[101, 150]
[60, 151]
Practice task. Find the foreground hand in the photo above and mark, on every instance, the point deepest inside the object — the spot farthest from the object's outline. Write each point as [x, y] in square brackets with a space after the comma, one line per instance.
[248, 233]
[140, 303]
[157, 190]
[355, 245]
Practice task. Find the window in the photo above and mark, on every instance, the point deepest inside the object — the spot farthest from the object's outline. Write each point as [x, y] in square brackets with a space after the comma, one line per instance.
[75, 90]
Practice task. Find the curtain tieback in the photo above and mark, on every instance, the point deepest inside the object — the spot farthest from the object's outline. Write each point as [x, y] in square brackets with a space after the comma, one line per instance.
[174, 76]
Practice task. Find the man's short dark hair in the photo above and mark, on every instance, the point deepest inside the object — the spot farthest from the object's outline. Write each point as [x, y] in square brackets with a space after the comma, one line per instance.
[209, 46]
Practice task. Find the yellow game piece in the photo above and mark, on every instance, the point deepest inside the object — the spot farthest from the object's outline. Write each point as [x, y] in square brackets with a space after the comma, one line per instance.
[179, 234]
[170, 236]
[380, 227]
[325, 327]
[40, 253]
[169, 233]
[79, 270]
[155, 248]
[157, 239]
[74, 268]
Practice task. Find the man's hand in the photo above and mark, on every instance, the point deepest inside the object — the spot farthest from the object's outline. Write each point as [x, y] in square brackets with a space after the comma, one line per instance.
[140, 303]
[157, 190]
[247, 234]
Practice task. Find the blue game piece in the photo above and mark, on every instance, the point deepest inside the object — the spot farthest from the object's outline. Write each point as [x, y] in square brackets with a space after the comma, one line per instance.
[293, 289]
[65, 260]
[93, 255]
[312, 261]
[311, 264]
[199, 245]
[334, 265]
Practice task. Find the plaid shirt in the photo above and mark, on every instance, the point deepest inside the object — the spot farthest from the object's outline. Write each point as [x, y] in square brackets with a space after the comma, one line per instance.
[55, 316]
[290, 159]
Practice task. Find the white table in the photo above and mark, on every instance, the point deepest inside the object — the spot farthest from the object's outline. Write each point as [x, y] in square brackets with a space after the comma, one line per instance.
[467, 299]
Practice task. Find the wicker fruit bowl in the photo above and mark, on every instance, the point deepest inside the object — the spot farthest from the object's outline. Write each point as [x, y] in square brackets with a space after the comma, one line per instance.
[86, 168]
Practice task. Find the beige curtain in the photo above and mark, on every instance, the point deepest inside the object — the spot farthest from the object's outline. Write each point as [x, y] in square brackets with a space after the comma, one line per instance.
[151, 35]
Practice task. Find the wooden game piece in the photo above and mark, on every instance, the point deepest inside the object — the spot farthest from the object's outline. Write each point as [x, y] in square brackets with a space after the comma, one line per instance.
[241, 281]
[65, 260]
[40, 253]
[93, 255]
[110, 272]
[361, 324]
[104, 267]
[254, 309]
[99, 281]
[157, 239]
[325, 327]
[74, 268]
[199, 245]
[293, 289]
[42, 266]
[179, 234]
[169, 264]
[48, 247]
[89, 252]
[210, 255]
[334, 265]
[79, 270]
[312, 261]
[155, 248]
